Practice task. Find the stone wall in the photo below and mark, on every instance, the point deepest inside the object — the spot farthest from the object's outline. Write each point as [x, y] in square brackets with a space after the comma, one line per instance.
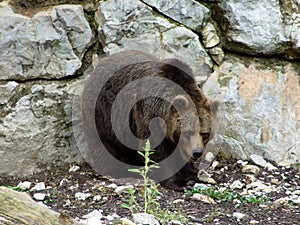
[245, 53]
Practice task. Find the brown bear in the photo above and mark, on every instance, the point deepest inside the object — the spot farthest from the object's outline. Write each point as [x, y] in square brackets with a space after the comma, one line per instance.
[156, 100]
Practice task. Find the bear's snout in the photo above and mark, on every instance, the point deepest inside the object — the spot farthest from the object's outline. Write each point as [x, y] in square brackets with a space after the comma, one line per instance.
[197, 153]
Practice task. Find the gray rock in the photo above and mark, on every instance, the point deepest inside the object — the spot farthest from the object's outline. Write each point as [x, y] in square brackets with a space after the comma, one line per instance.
[48, 45]
[260, 108]
[249, 29]
[144, 219]
[143, 30]
[189, 13]
[6, 90]
[258, 160]
[35, 127]
[96, 214]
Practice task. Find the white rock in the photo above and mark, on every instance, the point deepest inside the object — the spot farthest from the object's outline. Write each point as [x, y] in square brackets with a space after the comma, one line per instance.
[97, 214]
[254, 222]
[282, 201]
[260, 186]
[258, 160]
[239, 215]
[68, 203]
[64, 182]
[91, 221]
[74, 168]
[144, 219]
[237, 185]
[176, 201]
[39, 187]
[270, 167]
[205, 177]
[124, 188]
[215, 164]
[174, 222]
[200, 186]
[39, 196]
[250, 169]
[25, 185]
[295, 199]
[203, 198]
[126, 221]
[112, 186]
[97, 198]
[109, 218]
[82, 196]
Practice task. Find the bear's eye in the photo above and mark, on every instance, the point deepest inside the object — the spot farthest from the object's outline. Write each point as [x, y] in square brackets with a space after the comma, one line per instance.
[205, 136]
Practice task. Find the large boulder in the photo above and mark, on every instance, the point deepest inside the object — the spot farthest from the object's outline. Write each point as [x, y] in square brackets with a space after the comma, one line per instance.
[256, 27]
[262, 109]
[49, 45]
[35, 102]
[132, 25]
[35, 126]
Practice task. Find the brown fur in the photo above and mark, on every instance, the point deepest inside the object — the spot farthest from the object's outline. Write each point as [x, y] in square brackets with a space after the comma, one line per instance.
[179, 116]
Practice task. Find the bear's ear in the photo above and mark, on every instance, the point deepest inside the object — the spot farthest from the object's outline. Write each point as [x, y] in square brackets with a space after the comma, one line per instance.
[180, 103]
[214, 105]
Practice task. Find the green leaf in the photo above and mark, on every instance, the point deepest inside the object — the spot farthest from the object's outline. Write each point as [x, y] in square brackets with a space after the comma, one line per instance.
[134, 170]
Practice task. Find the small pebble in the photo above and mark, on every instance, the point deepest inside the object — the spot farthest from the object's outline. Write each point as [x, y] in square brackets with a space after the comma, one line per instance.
[82, 196]
[250, 169]
[39, 187]
[203, 198]
[239, 216]
[176, 201]
[144, 219]
[112, 186]
[121, 189]
[74, 168]
[97, 198]
[236, 185]
[24, 185]
[39, 196]
[125, 221]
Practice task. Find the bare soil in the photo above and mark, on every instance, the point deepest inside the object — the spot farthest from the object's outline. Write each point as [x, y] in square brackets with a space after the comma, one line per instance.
[61, 197]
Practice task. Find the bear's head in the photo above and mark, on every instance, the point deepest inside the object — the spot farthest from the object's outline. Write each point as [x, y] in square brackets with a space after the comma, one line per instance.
[191, 125]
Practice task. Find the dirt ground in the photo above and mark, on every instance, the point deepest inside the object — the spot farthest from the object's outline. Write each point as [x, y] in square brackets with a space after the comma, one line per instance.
[62, 185]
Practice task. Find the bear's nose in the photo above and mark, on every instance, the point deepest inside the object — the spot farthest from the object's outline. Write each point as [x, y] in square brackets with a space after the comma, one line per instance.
[197, 153]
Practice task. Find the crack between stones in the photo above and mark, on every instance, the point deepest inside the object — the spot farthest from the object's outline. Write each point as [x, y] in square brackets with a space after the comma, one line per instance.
[34, 80]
